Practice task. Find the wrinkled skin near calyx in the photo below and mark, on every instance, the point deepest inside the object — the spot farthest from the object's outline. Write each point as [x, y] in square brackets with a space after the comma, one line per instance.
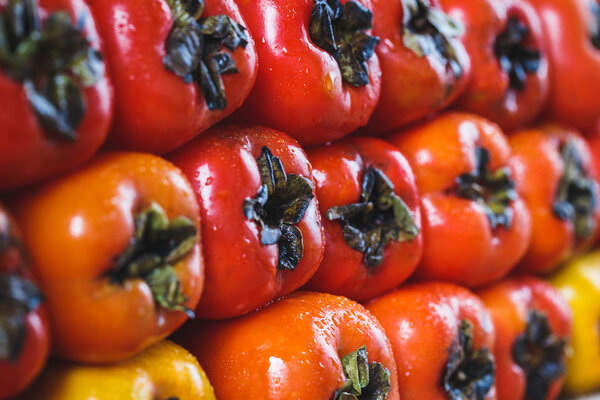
[510, 73]
[424, 64]
[300, 87]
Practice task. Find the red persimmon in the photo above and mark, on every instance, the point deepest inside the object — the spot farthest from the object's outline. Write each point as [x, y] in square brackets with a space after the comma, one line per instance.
[261, 227]
[371, 216]
[533, 328]
[178, 67]
[476, 227]
[55, 98]
[318, 77]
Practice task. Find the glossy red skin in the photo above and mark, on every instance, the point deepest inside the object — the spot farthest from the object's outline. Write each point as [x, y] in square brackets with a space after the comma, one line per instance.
[338, 172]
[155, 110]
[29, 154]
[422, 322]
[539, 167]
[299, 88]
[241, 273]
[288, 350]
[15, 377]
[413, 87]
[488, 93]
[508, 302]
[574, 62]
[76, 226]
[459, 245]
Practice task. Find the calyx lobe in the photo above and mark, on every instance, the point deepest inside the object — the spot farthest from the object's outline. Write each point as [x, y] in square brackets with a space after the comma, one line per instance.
[495, 190]
[540, 354]
[380, 215]
[364, 380]
[469, 374]
[157, 244]
[340, 30]
[577, 194]
[195, 49]
[278, 206]
[429, 31]
[517, 58]
[18, 297]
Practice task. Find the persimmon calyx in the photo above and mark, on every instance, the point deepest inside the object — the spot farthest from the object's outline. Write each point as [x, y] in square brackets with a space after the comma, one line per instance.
[54, 62]
[194, 49]
[18, 297]
[495, 190]
[340, 30]
[156, 245]
[379, 216]
[364, 380]
[577, 194]
[279, 205]
[517, 58]
[469, 374]
[429, 31]
[540, 354]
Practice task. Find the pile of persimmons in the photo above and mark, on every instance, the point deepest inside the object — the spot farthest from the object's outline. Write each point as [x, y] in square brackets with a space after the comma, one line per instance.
[299, 199]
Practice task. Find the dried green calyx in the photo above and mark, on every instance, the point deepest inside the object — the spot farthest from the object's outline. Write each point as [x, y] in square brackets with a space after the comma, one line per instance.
[195, 49]
[595, 23]
[429, 31]
[495, 190]
[278, 206]
[469, 374]
[18, 298]
[379, 216]
[577, 195]
[54, 62]
[364, 380]
[540, 354]
[515, 55]
[156, 245]
[340, 30]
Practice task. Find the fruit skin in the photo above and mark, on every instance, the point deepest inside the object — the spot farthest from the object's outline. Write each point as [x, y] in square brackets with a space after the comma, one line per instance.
[299, 87]
[579, 285]
[164, 370]
[459, 245]
[16, 375]
[289, 349]
[28, 154]
[574, 61]
[539, 167]
[339, 171]
[413, 87]
[489, 92]
[155, 110]
[422, 320]
[241, 272]
[77, 226]
[509, 302]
